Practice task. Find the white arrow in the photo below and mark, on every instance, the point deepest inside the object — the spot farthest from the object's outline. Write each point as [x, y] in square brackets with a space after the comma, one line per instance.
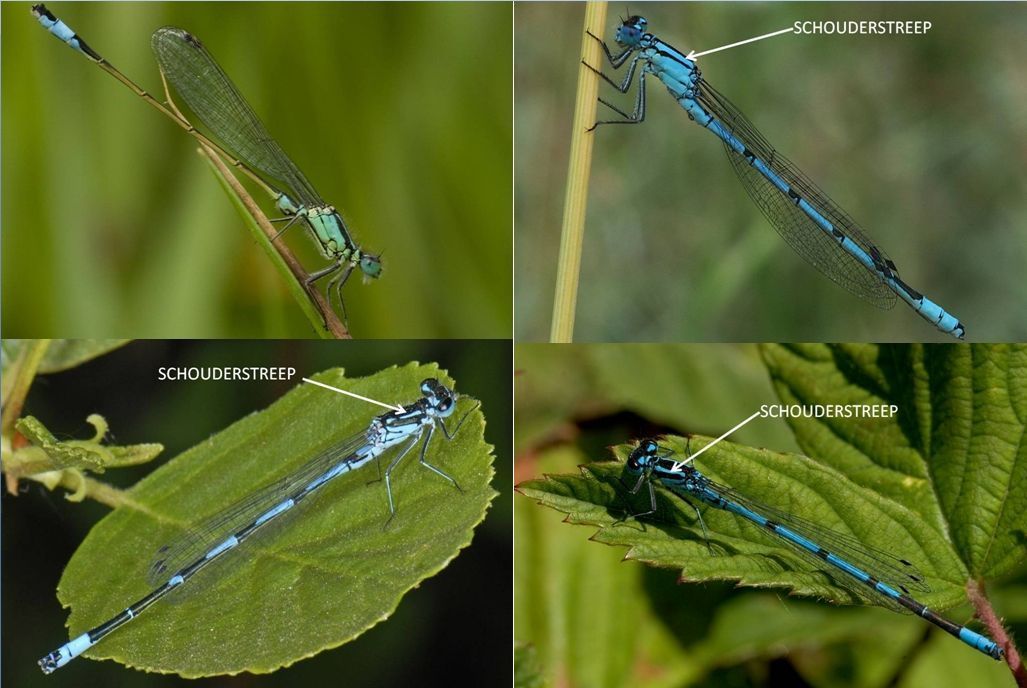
[692, 55]
[678, 465]
[356, 396]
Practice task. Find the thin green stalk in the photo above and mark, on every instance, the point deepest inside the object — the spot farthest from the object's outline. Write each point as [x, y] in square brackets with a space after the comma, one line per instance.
[576, 199]
[82, 487]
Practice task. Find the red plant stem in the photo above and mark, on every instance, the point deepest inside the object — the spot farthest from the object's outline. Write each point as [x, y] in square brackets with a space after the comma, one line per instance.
[986, 613]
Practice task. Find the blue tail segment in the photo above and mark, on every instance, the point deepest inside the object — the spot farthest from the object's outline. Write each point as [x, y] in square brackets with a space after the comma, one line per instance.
[63, 32]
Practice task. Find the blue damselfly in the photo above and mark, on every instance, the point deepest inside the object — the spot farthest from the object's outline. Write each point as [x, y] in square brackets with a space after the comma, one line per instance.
[805, 217]
[175, 564]
[884, 578]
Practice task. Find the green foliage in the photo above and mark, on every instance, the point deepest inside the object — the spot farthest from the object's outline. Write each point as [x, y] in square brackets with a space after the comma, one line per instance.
[692, 389]
[48, 453]
[727, 619]
[399, 115]
[563, 577]
[61, 354]
[954, 454]
[22, 360]
[527, 672]
[330, 574]
[742, 551]
[933, 481]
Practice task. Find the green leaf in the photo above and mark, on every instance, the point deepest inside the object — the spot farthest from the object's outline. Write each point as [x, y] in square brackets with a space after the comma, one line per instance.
[560, 579]
[551, 384]
[692, 389]
[62, 354]
[744, 552]
[689, 389]
[938, 665]
[956, 451]
[329, 574]
[710, 625]
[680, 633]
[527, 671]
[733, 638]
[49, 454]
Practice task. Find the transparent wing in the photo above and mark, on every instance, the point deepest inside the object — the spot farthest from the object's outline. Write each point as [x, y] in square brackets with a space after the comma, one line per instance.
[215, 100]
[800, 232]
[900, 574]
[200, 539]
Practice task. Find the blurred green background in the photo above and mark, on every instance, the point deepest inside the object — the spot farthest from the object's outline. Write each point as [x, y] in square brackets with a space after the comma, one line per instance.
[920, 138]
[469, 598]
[589, 618]
[398, 113]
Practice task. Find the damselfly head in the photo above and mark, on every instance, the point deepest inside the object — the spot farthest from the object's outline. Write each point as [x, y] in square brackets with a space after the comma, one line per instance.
[371, 266]
[642, 456]
[629, 34]
[442, 399]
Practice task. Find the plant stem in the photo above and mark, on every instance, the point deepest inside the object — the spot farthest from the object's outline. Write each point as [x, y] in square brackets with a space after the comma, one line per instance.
[95, 490]
[318, 311]
[985, 612]
[311, 301]
[576, 199]
[24, 372]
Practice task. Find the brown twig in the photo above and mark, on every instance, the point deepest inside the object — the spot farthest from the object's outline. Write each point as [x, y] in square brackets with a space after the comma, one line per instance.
[329, 320]
[986, 613]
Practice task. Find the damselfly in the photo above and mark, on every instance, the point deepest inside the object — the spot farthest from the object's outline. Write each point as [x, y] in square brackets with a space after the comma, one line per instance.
[810, 222]
[245, 143]
[881, 577]
[175, 564]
